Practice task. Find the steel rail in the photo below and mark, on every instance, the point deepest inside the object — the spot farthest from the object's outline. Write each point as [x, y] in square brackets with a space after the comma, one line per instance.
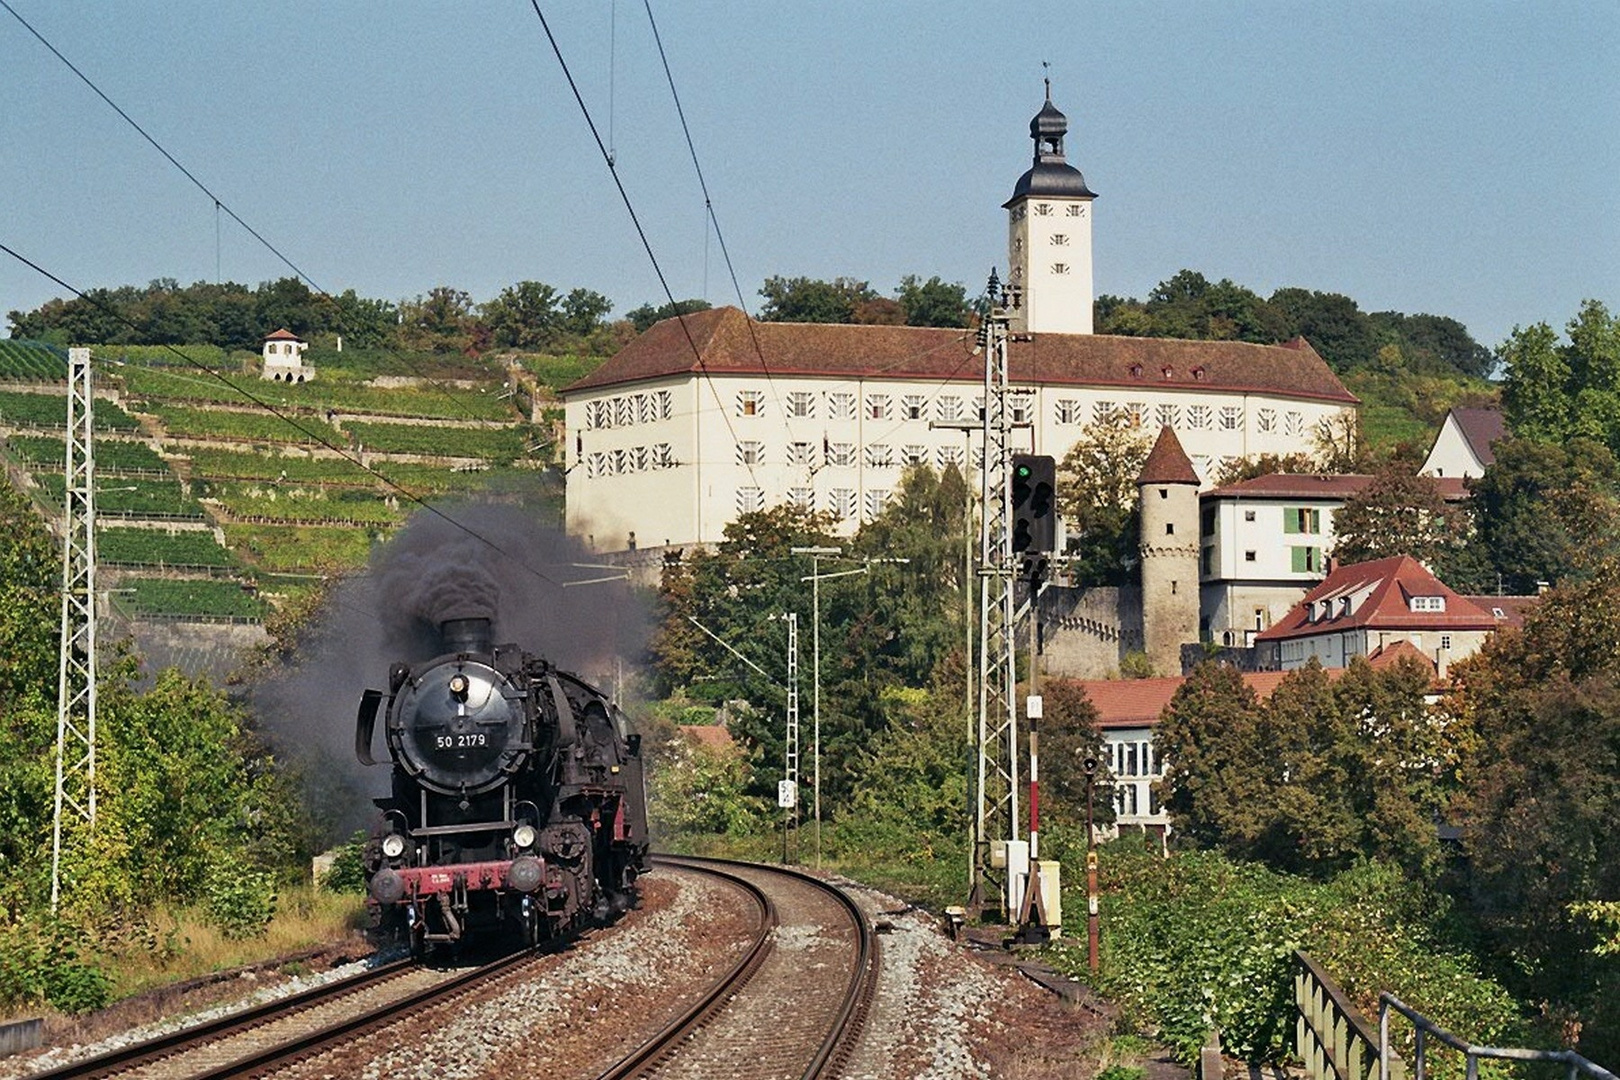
[719, 992]
[137, 1054]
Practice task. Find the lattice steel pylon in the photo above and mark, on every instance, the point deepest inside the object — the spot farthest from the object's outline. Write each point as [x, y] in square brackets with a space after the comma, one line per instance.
[76, 668]
[791, 765]
[996, 817]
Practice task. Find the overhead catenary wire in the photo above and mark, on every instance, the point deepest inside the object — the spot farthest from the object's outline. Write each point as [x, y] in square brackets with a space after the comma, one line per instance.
[291, 421]
[219, 204]
[635, 220]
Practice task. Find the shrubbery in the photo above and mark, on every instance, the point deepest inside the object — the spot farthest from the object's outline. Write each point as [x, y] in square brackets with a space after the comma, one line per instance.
[1199, 941]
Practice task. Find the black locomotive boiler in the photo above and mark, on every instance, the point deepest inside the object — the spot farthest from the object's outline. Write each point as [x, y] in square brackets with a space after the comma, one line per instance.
[518, 807]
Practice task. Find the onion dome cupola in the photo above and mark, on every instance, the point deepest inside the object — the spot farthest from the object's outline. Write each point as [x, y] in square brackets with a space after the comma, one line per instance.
[1051, 174]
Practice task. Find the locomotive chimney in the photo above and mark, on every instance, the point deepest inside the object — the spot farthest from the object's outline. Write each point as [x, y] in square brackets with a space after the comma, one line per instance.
[467, 635]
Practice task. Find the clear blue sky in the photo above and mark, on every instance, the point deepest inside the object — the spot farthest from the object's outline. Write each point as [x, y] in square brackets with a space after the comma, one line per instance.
[1461, 159]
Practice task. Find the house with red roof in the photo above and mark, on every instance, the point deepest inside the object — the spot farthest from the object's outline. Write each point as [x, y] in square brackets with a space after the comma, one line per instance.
[1370, 608]
[1266, 541]
[713, 414]
[284, 358]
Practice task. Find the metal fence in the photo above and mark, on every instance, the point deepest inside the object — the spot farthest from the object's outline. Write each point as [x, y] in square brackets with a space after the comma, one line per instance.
[1574, 1064]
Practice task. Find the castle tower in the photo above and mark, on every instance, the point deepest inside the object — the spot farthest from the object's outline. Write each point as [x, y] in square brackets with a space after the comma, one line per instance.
[1168, 487]
[1049, 235]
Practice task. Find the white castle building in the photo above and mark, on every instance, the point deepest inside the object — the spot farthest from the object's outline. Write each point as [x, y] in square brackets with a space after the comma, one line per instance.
[703, 418]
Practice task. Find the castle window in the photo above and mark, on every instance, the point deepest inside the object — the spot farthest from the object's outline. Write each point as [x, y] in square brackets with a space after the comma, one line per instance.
[666, 404]
[840, 406]
[1231, 418]
[646, 408]
[877, 406]
[1043, 209]
[1199, 416]
[750, 499]
[1102, 412]
[750, 453]
[1293, 423]
[1169, 526]
[750, 402]
[663, 456]
[1068, 411]
[840, 454]
[879, 456]
[875, 501]
[914, 454]
[948, 408]
[1168, 415]
[801, 403]
[1266, 420]
[799, 453]
[1059, 239]
[802, 497]
[1248, 556]
[1074, 210]
[841, 503]
[1060, 268]
[1019, 406]
[638, 459]
[948, 455]
[624, 412]
[912, 406]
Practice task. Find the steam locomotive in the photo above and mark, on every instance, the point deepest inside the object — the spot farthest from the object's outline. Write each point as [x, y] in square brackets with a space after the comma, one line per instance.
[518, 808]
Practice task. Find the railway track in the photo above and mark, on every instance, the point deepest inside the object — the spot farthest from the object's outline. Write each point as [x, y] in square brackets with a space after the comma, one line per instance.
[792, 1006]
[258, 1040]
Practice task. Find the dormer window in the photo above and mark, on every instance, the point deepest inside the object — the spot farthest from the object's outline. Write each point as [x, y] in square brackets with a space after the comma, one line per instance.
[1344, 606]
[1198, 374]
[1428, 603]
[1168, 372]
[1136, 371]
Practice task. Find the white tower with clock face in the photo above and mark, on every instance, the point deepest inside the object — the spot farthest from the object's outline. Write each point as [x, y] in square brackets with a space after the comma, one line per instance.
[1049, 235]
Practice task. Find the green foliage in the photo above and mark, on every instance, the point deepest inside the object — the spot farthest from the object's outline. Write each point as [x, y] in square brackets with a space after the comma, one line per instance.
[50, 411]
[1552, 392]
[112, 455]
[803, 299]
[42, 966]
[129, 497]
[239, 426]
[696, 788]
[1543, 799]
[1398, 513]
[240, 465]
[1198, 941]
[159, 385]
[289, 548]
[643, 317]
[500, 444]
[1318, 777]
[932, 302]
[207, 599]
[155, 547]
[1097, 497]
[240, 900]
[1545, 511]
[32, 361]
[348, 871]
[278, 502]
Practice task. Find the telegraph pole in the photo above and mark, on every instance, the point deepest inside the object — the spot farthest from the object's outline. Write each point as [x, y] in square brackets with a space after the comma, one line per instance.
[75, 807]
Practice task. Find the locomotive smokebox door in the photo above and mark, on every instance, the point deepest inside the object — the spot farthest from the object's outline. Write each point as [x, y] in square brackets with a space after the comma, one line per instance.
[456, 731]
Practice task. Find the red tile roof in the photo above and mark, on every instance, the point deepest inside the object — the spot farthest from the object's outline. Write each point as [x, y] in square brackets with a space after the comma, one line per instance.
[1127, 703]
[731, 343]
[283, 334]
[1380, 592]
[1167, 462]
[1512, 608]
[1295, 486]
[1337, 486]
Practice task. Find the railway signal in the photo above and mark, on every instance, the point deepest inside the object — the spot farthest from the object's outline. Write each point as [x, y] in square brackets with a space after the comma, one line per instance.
[1034, 497]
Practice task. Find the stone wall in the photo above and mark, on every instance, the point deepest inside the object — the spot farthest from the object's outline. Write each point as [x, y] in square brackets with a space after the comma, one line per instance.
[1087, 631]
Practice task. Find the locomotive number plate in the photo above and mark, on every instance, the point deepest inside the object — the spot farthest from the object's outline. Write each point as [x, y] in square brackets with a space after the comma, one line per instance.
[461, 742]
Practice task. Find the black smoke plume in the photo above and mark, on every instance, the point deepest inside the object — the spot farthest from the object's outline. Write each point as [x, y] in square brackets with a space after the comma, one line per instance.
[480, 559]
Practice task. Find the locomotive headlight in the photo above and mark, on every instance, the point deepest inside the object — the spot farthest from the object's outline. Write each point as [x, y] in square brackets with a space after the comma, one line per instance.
[459, 685]
[524, 836]
[393, 845]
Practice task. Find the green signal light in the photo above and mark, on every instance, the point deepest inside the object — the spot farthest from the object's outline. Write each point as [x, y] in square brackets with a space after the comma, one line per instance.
[1023, 472]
